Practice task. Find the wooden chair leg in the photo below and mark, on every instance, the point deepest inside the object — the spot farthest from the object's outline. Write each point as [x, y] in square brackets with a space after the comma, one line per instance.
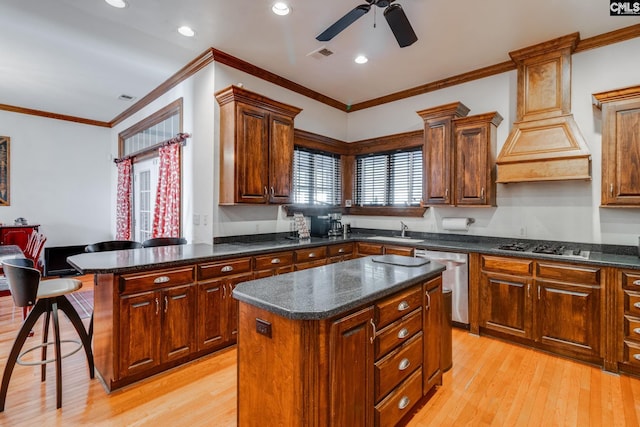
[45, 339]
[56, 330]
[74, 318]
[23, 334]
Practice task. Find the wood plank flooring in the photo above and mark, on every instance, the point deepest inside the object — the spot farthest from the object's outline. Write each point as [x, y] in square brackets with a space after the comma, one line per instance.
[492, 383]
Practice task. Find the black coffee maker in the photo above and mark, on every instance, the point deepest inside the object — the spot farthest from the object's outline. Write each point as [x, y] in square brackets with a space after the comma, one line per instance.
[335, 225]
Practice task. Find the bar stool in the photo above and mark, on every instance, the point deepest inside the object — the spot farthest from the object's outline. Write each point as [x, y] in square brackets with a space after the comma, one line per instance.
[164, 241]
[46, 297]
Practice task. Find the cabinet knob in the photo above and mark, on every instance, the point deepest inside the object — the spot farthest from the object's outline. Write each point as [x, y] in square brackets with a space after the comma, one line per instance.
[403, 306]
[404, 402]
[636, 282]
[341, 251]
[403, 333]
[226, 268]
[312, 255]
[404, 364]
[275, 261]
[161, 279]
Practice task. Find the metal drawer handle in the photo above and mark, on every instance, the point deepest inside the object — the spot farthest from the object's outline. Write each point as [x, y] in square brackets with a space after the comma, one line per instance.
[637, 331]
[403, 306]
[404, 364]
[275, 261]
[227, 268]
[312, 255]
[637, 304]
[636, 282]
[404, 402]
[161, 279]
[428, 306]
[636, 356]
[341, 251]
[403, 333]
[373, 326]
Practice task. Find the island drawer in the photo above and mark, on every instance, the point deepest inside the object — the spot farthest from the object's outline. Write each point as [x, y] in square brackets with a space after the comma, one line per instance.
[341, 249]
[631, 353]
[569, 273]
[398, 305]
[397, 365]
[310, 264]
[399, 403]
[632, 303]
[399, 250]
[522, 267]
[280, 259]
[310, 254]
[141, 282]
[632, 328]
[631, 280]
[370, 248]
[398, 333]
[223, 268]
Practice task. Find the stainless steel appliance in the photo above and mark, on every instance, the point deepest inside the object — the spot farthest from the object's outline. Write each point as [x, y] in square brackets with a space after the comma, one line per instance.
[455, 278]
[554, 249]
[335, 225]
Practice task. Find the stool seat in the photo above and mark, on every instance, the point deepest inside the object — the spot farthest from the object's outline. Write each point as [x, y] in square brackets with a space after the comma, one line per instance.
[56, 287]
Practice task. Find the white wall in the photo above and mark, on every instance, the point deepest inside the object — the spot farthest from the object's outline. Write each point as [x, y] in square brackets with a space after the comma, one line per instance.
[59, 178]
[562, 210]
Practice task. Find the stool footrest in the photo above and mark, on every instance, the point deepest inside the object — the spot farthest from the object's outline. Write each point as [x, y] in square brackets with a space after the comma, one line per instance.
[76, 349]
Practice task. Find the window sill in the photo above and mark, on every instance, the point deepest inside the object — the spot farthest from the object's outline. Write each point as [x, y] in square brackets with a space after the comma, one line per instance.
[314, 210]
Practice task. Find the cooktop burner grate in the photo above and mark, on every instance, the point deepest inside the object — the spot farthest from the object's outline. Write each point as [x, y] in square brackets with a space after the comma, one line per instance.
[516, 246]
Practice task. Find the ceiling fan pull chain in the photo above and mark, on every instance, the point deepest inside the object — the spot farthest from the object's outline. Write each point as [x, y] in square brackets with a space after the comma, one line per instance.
[375, 15]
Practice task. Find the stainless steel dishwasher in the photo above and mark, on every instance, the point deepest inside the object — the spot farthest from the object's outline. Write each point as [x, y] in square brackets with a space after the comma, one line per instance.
[456, 278]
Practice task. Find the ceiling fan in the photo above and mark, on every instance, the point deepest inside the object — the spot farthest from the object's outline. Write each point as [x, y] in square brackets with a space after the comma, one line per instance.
[393, 13]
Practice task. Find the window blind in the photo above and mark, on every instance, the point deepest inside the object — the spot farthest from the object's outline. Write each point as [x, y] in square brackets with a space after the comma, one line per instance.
[316, 178]
[389, 179]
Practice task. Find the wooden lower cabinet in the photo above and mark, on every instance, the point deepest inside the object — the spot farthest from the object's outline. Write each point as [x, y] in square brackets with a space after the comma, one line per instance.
[361, 369]
[433, 306]
[554, 306]
[366, 249]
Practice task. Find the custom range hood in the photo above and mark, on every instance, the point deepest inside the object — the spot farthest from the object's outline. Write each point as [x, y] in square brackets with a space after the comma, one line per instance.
[545, 143]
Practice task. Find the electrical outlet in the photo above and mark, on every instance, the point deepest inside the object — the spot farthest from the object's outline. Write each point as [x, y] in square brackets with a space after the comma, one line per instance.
[205, 219]
[523, 231]
[196, 219]
[263, 327]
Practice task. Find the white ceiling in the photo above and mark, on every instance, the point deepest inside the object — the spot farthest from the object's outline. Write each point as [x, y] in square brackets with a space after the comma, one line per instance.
[75, 57]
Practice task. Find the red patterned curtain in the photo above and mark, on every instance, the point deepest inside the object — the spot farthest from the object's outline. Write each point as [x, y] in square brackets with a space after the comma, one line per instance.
[123, 208]
[166, 218]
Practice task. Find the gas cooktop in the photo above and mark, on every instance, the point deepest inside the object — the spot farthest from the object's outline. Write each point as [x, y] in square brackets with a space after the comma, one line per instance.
[555, 249]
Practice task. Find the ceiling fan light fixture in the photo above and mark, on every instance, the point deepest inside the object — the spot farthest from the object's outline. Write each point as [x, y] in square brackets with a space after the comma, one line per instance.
[117, 3]
[281, 8]
[361, 59]
[186, 31]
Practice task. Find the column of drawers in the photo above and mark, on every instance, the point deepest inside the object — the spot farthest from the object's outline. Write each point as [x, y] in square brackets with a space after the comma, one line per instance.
[631, 320]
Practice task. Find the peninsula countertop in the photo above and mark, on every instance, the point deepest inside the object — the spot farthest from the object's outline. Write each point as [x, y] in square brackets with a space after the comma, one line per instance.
[326, 291]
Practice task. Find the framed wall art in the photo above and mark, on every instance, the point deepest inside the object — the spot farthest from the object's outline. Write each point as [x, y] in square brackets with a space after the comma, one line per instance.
[4, 171]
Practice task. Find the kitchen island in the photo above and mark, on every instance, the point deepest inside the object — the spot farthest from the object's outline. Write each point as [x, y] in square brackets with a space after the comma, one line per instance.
[354, 343]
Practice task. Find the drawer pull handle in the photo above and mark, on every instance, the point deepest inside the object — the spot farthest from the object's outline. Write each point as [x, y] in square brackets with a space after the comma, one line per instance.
[404, 402]
[403, 306]
[161, 279]
[636, 282]
[637, 331]
[404, 364]
[403, 333]
[636, 356]
[312, 255]
[341, 251]
[227, 268]
[637, 304]
[275, 261]
[373, 327]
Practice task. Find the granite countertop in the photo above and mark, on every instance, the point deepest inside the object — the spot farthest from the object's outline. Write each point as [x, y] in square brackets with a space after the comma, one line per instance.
[132, 260]
[330, 290]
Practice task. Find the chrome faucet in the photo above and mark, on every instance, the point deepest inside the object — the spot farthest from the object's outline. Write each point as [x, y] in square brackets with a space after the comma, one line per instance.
[403, 229]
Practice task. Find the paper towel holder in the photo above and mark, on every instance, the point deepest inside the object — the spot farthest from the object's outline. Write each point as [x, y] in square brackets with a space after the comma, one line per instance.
[457, 224]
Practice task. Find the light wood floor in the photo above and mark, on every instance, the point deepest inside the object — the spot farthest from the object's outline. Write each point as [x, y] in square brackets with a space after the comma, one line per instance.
[492, 383]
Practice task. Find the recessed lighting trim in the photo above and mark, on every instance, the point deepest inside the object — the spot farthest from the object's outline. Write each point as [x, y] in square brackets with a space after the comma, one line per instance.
[281, 8]
[117, 3]
[361, 59]
[186, 31]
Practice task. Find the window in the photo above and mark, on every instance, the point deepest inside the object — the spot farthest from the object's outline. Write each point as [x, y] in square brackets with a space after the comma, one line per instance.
[389, 179]
[316, 178]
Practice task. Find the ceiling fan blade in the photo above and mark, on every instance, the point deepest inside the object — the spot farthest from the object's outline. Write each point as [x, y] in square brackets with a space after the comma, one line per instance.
[343, 22]
[400, 25]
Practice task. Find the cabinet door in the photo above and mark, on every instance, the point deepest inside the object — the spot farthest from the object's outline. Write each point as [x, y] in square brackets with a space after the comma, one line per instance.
[351, 370]
[438, 161]
[231, 305]
[139, 351]
[432, 330]
[280, 159]
[472, 166]
[178, 312]
[252, 155]
[621, 154]
[568, 317]
[505, 304]
[211, 314]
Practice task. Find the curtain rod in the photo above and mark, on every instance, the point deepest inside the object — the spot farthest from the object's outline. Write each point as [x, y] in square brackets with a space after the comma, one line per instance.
[180, 138]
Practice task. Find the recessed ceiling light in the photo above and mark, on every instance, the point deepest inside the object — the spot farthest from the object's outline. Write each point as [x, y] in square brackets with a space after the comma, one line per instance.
[361, 59]
[117, 3]
[186, 31]
[281, 8]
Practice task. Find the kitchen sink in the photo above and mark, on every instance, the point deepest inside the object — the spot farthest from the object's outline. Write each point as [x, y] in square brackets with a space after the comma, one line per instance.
[398, 239]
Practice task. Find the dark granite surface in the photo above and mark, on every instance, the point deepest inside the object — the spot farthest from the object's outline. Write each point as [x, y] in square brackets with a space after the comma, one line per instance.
[330, 290]
[168, 256]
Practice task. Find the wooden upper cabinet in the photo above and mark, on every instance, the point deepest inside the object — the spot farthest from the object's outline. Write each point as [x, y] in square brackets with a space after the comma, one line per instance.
[256, 148]
[438, 152]
[475, 140]
[620, 146]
